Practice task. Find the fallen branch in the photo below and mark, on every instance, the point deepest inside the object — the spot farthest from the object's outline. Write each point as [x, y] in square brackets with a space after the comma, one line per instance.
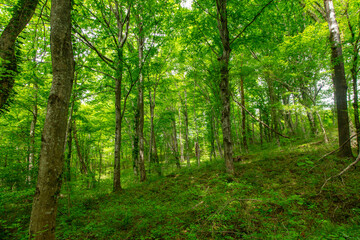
[332, 152]
[258, 120]
[341, 173]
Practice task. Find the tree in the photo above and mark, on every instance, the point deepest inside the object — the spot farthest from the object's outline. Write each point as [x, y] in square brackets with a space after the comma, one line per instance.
[44, 209]
[23, 12]
[337, 61]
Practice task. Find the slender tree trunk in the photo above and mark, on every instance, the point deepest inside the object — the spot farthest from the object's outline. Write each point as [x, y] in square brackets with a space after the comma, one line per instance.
[326, 139]
[187, 144]
[216, 135]
[140, 129]
[118, 122]
[339, 80]
[180, 138]
[68, 157]
[43, 215]
[224, 83]
[21, 16]
[83, 167]
[175, 143]
[243, 114]
[354, 72]
[32, 133]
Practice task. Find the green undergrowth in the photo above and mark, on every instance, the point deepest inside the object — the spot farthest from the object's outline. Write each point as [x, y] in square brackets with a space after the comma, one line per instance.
[274, 194]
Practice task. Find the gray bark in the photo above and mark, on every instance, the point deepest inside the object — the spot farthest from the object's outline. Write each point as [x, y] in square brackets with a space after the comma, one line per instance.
[339, 80]
[224, 83]
[44, 209]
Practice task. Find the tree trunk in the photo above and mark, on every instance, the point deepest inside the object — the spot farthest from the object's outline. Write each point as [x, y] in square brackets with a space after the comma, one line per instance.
[43, 215]
[118, 122]
[140, 129]
[154, 158]
[21, 16]
[32, 133]
[83, 167]
[180, 139]
[68, 157]
[187, 144]
[326, 139]
[243, 114]
[175, 143]
[339, 80]
[224, 83]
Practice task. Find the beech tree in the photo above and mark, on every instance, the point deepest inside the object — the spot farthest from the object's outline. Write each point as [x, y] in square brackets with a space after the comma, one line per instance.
[44, 210]
[337, 61]
[22, 13]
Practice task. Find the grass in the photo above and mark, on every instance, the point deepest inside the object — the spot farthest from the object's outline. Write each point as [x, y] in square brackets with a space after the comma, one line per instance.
[274, 194]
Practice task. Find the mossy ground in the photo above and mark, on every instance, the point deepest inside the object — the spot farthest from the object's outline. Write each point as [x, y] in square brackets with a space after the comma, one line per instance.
[274, 194]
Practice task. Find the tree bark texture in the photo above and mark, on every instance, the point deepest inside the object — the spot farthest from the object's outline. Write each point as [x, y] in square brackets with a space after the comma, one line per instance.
[8, 62]
[43, 215]
[224, 83]
[339, 80]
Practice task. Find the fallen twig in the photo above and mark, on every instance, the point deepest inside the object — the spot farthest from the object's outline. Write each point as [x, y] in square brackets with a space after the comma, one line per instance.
[332, 152]
[341, 173]
[258, 120]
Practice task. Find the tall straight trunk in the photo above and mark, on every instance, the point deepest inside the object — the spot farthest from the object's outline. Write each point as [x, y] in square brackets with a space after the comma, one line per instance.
[68, 134]
[68, 157]
[140, 127]
[153, 156]
[83, 167]
[243, 114]
[354, 72]
[44, 209]
[339, 80]
[32, 133]
[187, 144]
[261, 128]
[216, 135]
[175, 143]
[21, 16]
[224, 83]
[180, 138]
[118, 123]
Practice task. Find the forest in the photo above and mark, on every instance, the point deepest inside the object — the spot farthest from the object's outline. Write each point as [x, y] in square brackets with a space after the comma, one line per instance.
[179, 119]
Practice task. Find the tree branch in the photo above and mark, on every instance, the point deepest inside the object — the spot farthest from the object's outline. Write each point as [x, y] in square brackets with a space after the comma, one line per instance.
[258, 120]
[252, 21]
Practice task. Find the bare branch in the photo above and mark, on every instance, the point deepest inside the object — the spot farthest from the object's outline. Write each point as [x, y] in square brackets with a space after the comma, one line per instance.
[258, 120]
[341, 173]
[252, 21]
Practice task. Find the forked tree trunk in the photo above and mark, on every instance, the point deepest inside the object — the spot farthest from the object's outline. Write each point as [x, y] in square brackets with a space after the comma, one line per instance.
[339, 80]
[224, 83]
[44, 209]
[21, 16]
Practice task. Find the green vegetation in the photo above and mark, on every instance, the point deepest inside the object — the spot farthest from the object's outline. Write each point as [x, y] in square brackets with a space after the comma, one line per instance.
[274, 194]
[179, 119]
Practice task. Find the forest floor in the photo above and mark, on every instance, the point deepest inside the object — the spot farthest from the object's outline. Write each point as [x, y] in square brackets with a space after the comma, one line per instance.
[274, 194]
